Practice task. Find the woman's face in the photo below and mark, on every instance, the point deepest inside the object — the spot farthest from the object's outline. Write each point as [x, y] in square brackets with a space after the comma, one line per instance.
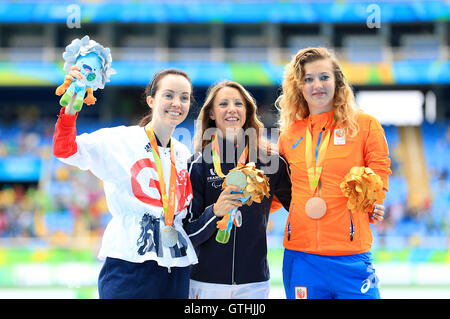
[319, 86]
[172, 100]
[229, 110]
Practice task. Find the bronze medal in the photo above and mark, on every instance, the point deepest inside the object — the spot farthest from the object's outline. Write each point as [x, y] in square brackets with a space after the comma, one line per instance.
[315, 207]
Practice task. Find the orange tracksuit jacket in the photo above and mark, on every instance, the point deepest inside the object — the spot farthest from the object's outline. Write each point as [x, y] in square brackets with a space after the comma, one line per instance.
[330, 235]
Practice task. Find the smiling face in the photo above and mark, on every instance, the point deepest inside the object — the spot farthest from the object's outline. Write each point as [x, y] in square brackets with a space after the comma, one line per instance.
[171, 102]
[229, 110]
[319, 86]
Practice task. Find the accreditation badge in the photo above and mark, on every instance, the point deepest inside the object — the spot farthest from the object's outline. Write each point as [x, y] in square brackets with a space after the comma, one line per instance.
[238, 219]
[339, 136]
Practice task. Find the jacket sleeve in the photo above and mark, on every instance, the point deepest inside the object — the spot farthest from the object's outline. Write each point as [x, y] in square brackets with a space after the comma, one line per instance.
[88, 151]
[282, 187]
[376, 153]
[64, 143]
[200, 222]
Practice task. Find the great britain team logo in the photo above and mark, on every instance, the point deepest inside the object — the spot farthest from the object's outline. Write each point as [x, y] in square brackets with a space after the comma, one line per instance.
[150, 240]
[183, 189]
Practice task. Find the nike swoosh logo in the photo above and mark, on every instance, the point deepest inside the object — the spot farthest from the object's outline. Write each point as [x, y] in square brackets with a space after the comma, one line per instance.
[297, 142]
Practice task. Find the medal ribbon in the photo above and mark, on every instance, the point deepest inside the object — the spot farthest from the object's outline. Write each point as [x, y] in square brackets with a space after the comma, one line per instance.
[216, 157]
[168, 203]
[314, 162]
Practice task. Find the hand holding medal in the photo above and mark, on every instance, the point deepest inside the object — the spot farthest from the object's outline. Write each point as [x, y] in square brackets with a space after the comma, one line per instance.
[363, 188]
[255, 186]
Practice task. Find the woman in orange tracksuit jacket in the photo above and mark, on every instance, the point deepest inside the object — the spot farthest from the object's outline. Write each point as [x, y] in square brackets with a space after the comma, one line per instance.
[327, 256]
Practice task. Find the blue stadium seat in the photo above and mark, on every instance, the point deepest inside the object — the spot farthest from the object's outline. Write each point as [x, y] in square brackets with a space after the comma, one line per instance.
[421, 47]
[365, 48]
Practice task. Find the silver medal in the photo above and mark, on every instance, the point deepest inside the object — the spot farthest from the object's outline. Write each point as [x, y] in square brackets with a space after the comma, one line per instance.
[169, 236]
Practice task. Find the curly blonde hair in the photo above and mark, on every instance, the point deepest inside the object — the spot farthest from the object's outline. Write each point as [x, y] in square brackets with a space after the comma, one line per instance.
[293, 106]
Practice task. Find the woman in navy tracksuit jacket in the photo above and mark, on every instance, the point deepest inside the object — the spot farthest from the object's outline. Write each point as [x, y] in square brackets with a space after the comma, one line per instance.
[238, 269]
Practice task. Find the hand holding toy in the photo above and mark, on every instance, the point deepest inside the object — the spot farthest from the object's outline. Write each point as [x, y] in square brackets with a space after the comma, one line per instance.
[93, 63]
[228, 200]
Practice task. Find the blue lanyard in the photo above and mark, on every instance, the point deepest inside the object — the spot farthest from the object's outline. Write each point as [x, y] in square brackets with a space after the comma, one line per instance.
[317, 146]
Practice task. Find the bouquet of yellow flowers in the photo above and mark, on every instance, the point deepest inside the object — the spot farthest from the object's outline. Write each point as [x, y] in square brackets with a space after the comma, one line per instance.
[363, 188]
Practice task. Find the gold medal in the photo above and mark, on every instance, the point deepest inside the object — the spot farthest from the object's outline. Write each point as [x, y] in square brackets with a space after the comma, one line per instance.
[315, 207]
[236, 178]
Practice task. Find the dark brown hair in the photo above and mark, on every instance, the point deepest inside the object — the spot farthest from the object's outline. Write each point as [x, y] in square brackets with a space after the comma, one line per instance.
[152, 88]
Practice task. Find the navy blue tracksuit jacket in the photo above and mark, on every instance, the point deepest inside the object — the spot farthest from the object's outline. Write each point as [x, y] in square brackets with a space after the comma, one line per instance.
[244, 258]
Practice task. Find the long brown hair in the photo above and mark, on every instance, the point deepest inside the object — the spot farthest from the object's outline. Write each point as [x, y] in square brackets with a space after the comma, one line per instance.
[292, 104]
[152, 88]
[204, 122]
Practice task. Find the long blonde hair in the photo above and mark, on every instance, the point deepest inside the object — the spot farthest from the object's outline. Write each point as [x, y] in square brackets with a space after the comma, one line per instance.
[293, 106]
[204, 121]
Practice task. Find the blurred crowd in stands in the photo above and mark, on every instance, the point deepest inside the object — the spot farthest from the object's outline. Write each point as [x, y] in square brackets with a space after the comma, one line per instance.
[67, 202]
[71, 204]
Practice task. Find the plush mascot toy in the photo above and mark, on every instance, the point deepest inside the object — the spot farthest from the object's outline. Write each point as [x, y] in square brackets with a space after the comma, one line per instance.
[94, 62]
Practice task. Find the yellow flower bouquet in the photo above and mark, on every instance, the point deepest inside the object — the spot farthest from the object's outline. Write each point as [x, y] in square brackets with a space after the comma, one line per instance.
[363, 188]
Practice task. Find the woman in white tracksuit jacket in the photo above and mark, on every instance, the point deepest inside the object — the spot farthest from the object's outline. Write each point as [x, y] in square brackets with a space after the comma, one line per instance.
[140, 262]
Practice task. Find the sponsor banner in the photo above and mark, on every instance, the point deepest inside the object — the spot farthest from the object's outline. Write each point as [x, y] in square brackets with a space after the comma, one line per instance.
[204, 73]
